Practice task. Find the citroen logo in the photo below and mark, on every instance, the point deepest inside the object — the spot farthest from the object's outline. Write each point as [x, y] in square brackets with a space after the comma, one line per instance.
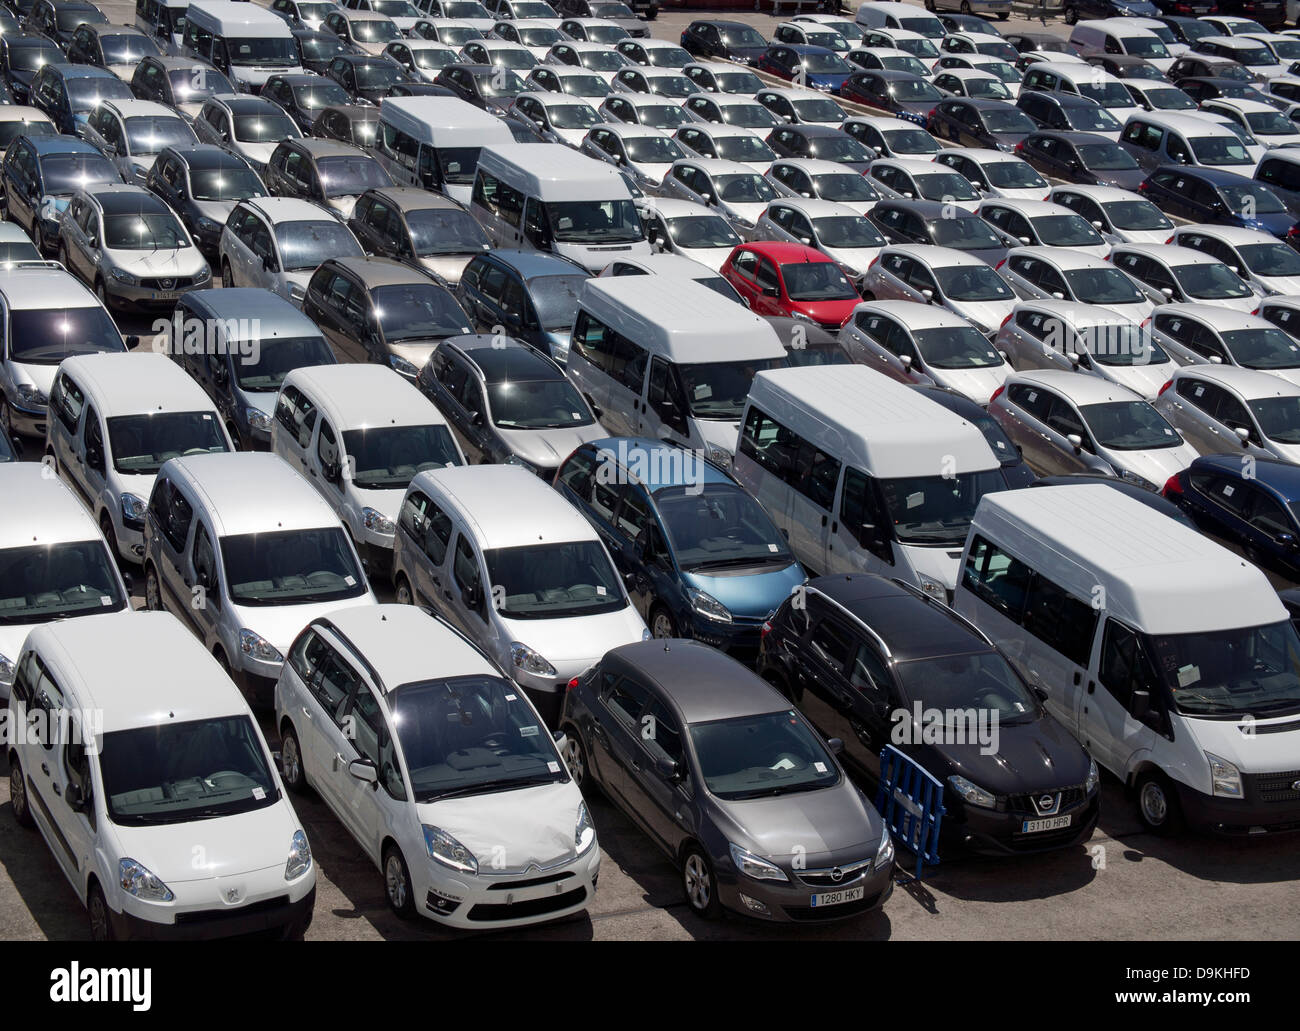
[167, 283]
[1295, 785]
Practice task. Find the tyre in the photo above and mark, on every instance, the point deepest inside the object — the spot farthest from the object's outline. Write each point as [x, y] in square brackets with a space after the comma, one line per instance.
[397, 883]
[402, 592]
[291, 770]
[152, 590]
[227, 278]
[106, 527]
[1157, 803]
[575, 755]
[661, 623]
[18, 795]
[1071, 15]
[101, 925]
[699, 885]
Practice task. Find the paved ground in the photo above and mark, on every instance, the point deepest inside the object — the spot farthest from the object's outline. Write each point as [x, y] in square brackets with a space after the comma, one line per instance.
[1124, 884]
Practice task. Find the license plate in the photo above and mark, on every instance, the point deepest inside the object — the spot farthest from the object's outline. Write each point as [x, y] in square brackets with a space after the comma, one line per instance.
[1051, 823]
[835, 898]
[166, 295]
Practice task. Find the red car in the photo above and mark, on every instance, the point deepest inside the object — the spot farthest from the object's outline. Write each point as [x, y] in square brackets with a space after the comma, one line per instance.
[792, 280]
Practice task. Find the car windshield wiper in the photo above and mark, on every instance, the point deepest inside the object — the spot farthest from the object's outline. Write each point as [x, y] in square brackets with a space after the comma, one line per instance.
[740, 560]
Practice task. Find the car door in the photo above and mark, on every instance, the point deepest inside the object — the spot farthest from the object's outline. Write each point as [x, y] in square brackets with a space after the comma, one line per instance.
[426, 544]
[328, 751]
[1025, 423]
[663, 801]
[1105, 725]
[296, 416]
[1062, 422]
[90, 456]
[818, 671]
[767, 299]
[366, 809]
[1193, 405]
[172, 521]
[614, 729]
[466, 596]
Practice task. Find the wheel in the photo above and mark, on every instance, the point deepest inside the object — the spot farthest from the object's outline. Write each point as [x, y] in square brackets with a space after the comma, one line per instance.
[106, 527]
[227, 278]
[661, 623]
[1071, 15]
[575, 755]
[397, 883]
[18, 795]
[1003, 15]
[402, 591]
[965, 7]
[101, 927]
[699, 885]
[152, 590]
[295, 778]
[1158, 805]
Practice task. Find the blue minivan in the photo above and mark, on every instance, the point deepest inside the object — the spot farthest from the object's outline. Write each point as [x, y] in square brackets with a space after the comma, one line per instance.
[700, 557]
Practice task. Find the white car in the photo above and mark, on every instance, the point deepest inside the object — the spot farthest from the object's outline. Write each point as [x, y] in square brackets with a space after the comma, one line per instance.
[1064, 274]
[1220, 408]
[827, 180]
[558, 117]
[438, 767]
[971, 82]
[735, 191]
[131, 133]
[595, 58]
[1200, 334]
[1263, 121]
[1120, 216]
[963, 284]
[1183, 274]
[164, 809]
[1260, 259]
[1040, 223]
[688, 229]
[642, 151]
[995, 174]
[834, 229]
[913, 179]
[728, 143]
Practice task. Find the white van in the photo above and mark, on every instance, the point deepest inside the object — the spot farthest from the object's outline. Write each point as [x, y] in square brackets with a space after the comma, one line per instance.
[669, 365]
[434, 142]
[1170, 658]
[152, 785]
[162, 18]
[882, 14]
[864, 474]
[53, 562]
[547, 197]
[360, 433]
[1118, 36]
[244, 40]
[529, 582]
[115, 418]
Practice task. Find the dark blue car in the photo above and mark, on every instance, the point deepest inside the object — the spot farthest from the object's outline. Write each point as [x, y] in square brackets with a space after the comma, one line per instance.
[1217, 198]
[1249, 501]
[814, 67]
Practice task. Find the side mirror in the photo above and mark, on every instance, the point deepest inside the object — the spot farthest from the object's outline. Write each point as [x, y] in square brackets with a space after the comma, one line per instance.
[1243, 434]
[1041, 692]
[1024, 240]
[128, 581]
[1216, 359]
[1005, 357]
[807, 242]
[1058, 295]
[132, 341]
[906, 359]
[1073, 356]
[472, 596]
[331, 471]
[836, 745]
[668, 769]
[476, 418]
[364, 770]
[928, 294]
[1287, 540]
[1140, 704]
[1076, 442]
[561, 740]
[1097, 225]
[1168, 291]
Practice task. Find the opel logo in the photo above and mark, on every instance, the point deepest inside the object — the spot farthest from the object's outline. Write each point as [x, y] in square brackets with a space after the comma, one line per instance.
[1045, 802]
[837, 875]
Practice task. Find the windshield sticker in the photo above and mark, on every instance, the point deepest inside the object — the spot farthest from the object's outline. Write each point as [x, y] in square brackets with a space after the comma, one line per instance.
[1188, 675]
[783, 764]
[553, 767]
[916, 500]
[529, 731]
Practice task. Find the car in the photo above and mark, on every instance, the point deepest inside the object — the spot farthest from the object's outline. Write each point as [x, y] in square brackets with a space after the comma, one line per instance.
[674, 266]
[654, 53]
[305, 13]
[861, 649]
[1159, 96]
[1155, 502]
[119, 48]
[304, 95]
[1201, 88]
[577, 82]
[597, 30]
[994, 124]
[918, 44]
[248, 127]
[422, 59]
[970, 82]
[483, 85]
[426, 230]
[16, 247]
[687, 229]
[1211, 196]
[994, 174]
[57, 20]
[364, 77]
[316, 49]
[701, 714]
[533, 294]
[1199, 334]
[639, 151]
[353, 124]
[777, 278]
[816, 67]
[808, 345]
[810, 34]
[40, 174]
[507, 402]
[1099, 9]
[826, 180]
[105, 788]
[938, 223]
[328, 172]
[1252, 513]
[497, 52]
[727, 109]
[1259, 258]
[953, 279]
[1038, 42]
[728, 40]
[1120, 216]
[730, 143]
[822, 142]
[890, 137]
[1130, 68]
[1040, 223]
[535, 34]
[471, 12]
[20, 120]
[448, 31]
[834, 229]
[592, 57]
[912, 179]
[202, 184]
[796, 105]
[1015, 474]
[131, 133]
[888, 59]
[181, 83]
[722, 77]
[615, 11]
[1234, 25]
[368, 30]
[21, 57]
[404, 13]
[1219, 408]
[732, 189]
[661, 82]
[68, 93]
[1253, 54]
[1069, 112]
[900, 93]
[1081, 157]
[1183, 274]
[558, 118]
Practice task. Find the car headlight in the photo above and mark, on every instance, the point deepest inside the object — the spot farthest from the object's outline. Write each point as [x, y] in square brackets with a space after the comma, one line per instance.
[1138, 481]
[529, 661]
[257, 647]
[376, 521]
[258, 419]
[6, 671]
[743, 222]
[203, 275]
[139, 881]
[133, 507]
[751, 866]
[299, 857]
[718, 454]
[33, 396]
[1225, 777]
[401, 365]
[885, 850]
[972, 794]
[1094, 775]
[123, 276]
[934, 588]
[208, 225]
[584, 834]
[800, 316]
[516, 460]
[445, 849]
[707, 605]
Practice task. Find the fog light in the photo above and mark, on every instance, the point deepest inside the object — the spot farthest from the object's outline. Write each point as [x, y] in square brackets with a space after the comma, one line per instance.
[753, 905]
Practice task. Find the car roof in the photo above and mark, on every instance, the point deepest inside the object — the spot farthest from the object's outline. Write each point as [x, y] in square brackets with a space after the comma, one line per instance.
[43, 145]
[206, 155]
[50, 511]
[382, 636]
[1249, 383]
[1101, 194]
[1217, 318]
[815, 207]
[1278, 475]
[914, 315]
[378, 271]
[703, 683]
[29, 288]
[122, 198]
[505, 358]
[137, 383]
[1184, 123]
[651, 463]
[289, 209]
[1028, 208]
[1217, 176]
[412, 198]
[22, 113]
[1167, 254]
[361, 396]
[270, 314]
[1082, 390]
[783, 252]
[1075, 313]
[251, 492]
[934, 256]
[1228, 234]
[137, 108]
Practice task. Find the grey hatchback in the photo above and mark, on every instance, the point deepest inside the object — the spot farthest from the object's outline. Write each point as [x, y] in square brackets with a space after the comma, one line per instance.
[730, 781]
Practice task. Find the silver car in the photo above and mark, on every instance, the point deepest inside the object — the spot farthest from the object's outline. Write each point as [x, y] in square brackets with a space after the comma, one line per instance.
[1199, 334]
[1067, 275]
[834, 229]
[1066, 423]
[1223, 408]
[734, 191]
[1120, 216]
[950, 278]
[1182, 274]
[825, 180]
[1262, 261]
[1043, 224]
[131, 134]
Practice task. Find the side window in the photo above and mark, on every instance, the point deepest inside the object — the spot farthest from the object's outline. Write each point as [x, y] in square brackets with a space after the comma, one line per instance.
[1060, 620]
[465, 571]
[94, 442]
[68, 402]
[660, 733]
[333, 679]
[365, 722]
[579, 473]
[860, 510]
[832, 644]
[633, 513]
[204, 560]
[997, 578]
[76, 765]
[327, 447]
[1124, 666]
[625, 699]
[1268, 516]
[868, 673]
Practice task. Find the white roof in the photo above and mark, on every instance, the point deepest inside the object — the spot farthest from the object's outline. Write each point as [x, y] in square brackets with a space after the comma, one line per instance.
[795, 94]
[633, 130]
[12, 232]
[1187, 124]
[137, 383]
[980, 155]
[716, 166]
[1115, 26]
[22, 113]
[435, 118]
[723, 99]
[357, 396]
[1082, 390]
[288, 209]
[383, 635]
[665, 264]
[870, 421]
[49, 512]
[979, 37]
[1031, 209]
[1248, 383]
[1073, 71]
[137, 108]
[915, 315]
[815, 207]
[43, 287]
[549, 98]
[814, 166]
[233, 14]
[1168, 254]
[568, 175]
[124, 666]
[697, 325]
[934, 257]
[966, 74]
[672, 207]
[914, 166]
[1158, 575]
[1212, 315]
[1101, 194]
[1239, 42]
[251, 492]
[1061, 257]
[1075, 313]
[720, 131]
[1238, 104]
[476, 493]
[1234, 235]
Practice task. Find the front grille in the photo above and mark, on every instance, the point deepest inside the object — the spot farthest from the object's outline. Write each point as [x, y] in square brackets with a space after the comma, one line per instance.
[1070, 797]
[814, 913]
[488, 912]
[532, 882]
[216, 916]
[850, 873]
[167, 283]
[1272, 787]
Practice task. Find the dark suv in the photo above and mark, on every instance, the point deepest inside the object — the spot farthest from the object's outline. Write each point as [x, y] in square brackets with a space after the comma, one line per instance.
[534, 295]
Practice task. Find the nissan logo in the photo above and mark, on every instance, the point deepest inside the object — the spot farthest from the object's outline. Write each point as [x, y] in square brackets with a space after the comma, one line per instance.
[837, 875]
[166, 283]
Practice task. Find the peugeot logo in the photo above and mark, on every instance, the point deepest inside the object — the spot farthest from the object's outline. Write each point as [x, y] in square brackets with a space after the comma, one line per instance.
[1046, 802]
[837, 875]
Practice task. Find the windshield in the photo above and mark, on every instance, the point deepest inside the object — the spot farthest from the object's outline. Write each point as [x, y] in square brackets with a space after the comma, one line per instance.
[742, 36]
[744, 189]
[19, 250]
[1005, 72]
[988, 89]
[1252, 197]
[581, 84]
[127, 49]
[30, 56]
[46, 336]
[1136, 214]
[1120, 345]
[747, 148]
[937, 510]
[182, 772]
[554, 581]
[86, 93]
[149, 231]
[1066, 231]
[1252, 670]
[972, 283]
[997, 438]
[142, 443]
[1106, 157]
[445, 231]
[537, 404]
[375, 31]
[656, 150]
[702, 231]
[1278, 418]
[379, 74]
[672, 57]
[573, 116]
[818, 109]
[1145, 46]
[1010, 121]
[843, 187]
[304, 245]
[717, 390]
[595, 221]
[839, 148]
[1128, 426]
[917, 47]
[1102, 286]
[910, 141]
[847, 231]
[67, 173]
[291, 567]
[913, 91]
[538, 35]
[761, 756]
[418, 311]
[816, 281]
[44, 582]
[1220, 150]
[1169, 100]
[266, 51]
[465, 9]
[500, 82]
[1091, 119]
[1270, 259]
[951, 682]
[956, 347]
[236, 183]
[345, 176]
[827, 64]
[149, 134]
[188, 86]
[395, 8]
[1262, 348]
[1012, 175]
[262, 367]
[264, 127]
[719, 525]
[1270, 123]
[944, 186]
[1107, 94]
[747, 116]
[602, 60]
[10, 131]
[388, 457]
[1211, 280]
[964, 233]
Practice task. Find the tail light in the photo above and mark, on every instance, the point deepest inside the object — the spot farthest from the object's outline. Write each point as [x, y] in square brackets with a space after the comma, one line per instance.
[1169, 241]
[1107, 258]
[1255, 312]
[998, 266]
[1168, 384]
[1146, 322]
[1047, 196]
[1142, 186]
[999, 392]
[571, 685]
[1004, 322]
[1174, 488]
[874, 262]
[1020, 147]
[765, 630]
[933, 112]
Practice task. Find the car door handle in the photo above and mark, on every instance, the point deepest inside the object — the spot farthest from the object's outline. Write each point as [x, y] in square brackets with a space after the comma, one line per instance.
[636, 765]
[1092, 686]
[307, 712]
[339, 761]
[45, 769]
[57, 790]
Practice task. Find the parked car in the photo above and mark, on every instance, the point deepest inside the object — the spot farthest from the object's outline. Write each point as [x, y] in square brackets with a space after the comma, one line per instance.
[1200, 334]
[40, 175]
[328, 172]
[181, 83]
[980, 123]
[1081, 157]
[785, 278]
[1261, 260]
[1207, 195]
[532, 294]
[945, 276]
[1120, 216]
[1218, 408]
[1183, 274]
[936, 223]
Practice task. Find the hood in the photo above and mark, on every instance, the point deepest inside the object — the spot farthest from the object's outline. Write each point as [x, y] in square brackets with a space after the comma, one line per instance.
[190, 111]
[977, 384]
[1155, 465]
[986, 315]
[125, 72]
[1040, 755]
[557, 340]
[534, 825]
[374, 49]
[1277, 223]
[280, 624]
[546, 449]
[826, 313]
[256, 77]
[752, 593]
[1246, 304]
[186, 261]
[816, 825]
[988, 255]
[1289, 285]
[573, 644]
[746, 55]
[1135, 310]
[448, 266]
[258, 153]
[720, 433]
[1158, 236]
[217, 210]
[831, 81]
[751, 213]
[574, 138]
[1027, 193]
[856, 258]
[234, 846]
[655, 172]
[459, 192]
[372, 94]
[937, 563]
[42, 377]
[1264, 751]
[1290, 375]
[713, 257]
[1141, 379]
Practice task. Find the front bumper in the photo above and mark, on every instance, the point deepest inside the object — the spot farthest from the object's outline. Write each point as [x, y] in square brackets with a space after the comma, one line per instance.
[29, 422]
[153, 298]
[990, 832]
[1271, 806]
[276, 914]
[792, 902]
[739, 638]
[377, 560]
[500, 900]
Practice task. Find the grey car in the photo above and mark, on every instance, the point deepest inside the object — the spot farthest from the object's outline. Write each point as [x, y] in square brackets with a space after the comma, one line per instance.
[686, 741]
[426, 230]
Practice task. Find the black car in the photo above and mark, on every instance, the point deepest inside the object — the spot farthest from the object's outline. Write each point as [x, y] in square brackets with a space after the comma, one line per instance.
[729, 40]
[1127, 66]
[107, 45]
[174, 81]
[1217, 197]
[1039, 43]
[424, 229]
[1102, 9]
[900, 93]
[488, 86]
[1015, 473]
[1187, 26]
[1067, 112]
[1081, 157]
[21, 57]
[1203, 66]
[1148, 498]
[317, 49]
[41, 173]
[304, 95]
[969, 23]
[940, 224]
[1269, 13]
[824, 142]
[533, 294]
[968, 122]
[364, 78]
[57, 20]
[202, 184]
[865, 659]
[1209, 87]
[325, 171]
